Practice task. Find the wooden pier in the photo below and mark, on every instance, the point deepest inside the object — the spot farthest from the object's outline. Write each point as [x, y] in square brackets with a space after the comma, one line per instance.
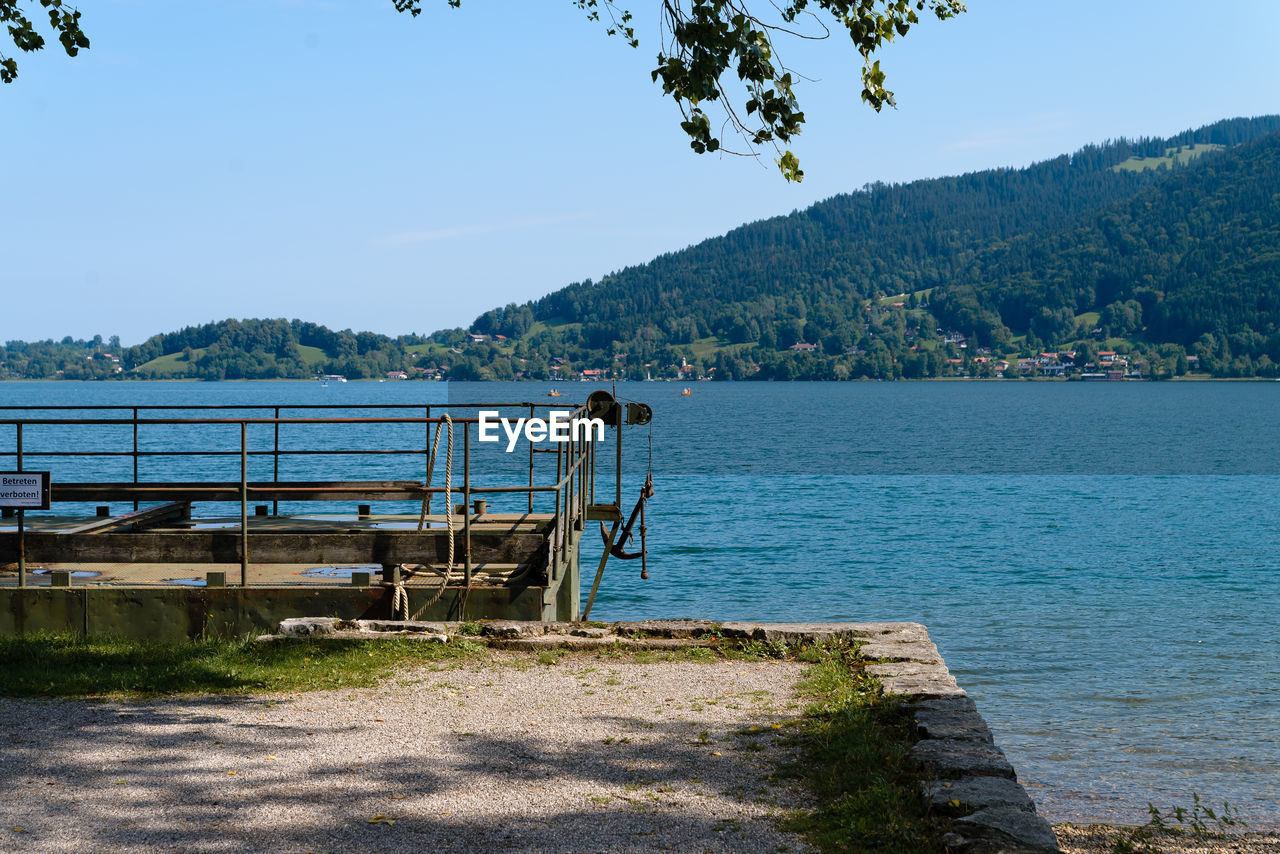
[164, 558]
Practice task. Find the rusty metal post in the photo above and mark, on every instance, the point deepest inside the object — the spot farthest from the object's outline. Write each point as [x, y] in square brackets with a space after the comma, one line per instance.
[583, 447]
[559, 532]
[604, 559]
[569, 497]
[244, 504]
[466, 505]
[275, 464]
[22, 537]
[426, 448]
[428, 463]
[531, 413]
[135, 450]
[617, 488]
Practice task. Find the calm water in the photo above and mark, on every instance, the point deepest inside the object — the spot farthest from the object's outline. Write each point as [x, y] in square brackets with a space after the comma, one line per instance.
[1097, 562]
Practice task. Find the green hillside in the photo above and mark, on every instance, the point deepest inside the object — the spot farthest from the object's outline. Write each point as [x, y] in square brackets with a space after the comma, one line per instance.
[1014, 260]
[1179, 155]
[170, 365]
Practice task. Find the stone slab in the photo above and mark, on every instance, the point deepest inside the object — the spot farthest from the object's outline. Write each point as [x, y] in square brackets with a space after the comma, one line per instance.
[405, 626]
[965, 726]
[305, 627]
[952, 758]
[923, 652]
[667, 628]
[1006, 829]
[908, 668]
[513, 628]
[921, 687]
[978, 793]
[944, 704]
[576, 642]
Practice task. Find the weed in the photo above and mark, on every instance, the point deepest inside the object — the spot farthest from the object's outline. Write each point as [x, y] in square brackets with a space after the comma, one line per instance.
[1198, 818]
[471, 629]
[1201, 820]
[700, 654]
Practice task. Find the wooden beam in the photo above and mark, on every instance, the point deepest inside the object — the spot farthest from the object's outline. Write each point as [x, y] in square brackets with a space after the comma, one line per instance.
[224, 547]
[384, 490]
[176, 509]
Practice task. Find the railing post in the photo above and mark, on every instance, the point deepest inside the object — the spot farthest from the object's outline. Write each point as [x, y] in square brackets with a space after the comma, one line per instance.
[244, 504]
[617, 488]
[582, 480]
[429, 463]
[530, 465]
[568, 478]
[22, 537]
[466, 507]
[559, 532]
[275, 464]
[135, 451]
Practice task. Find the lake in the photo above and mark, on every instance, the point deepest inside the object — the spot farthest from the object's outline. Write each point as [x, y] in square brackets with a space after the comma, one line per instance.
[1096, 561]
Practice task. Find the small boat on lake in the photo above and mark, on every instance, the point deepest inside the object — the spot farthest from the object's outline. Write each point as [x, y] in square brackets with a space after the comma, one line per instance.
[686, 392]
[554, 393]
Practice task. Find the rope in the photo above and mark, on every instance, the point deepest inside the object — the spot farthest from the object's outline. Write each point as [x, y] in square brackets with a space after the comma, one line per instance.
[400, 598]
[399, 601]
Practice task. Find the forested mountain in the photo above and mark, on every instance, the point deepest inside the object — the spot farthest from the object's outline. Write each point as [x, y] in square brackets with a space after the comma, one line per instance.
[228, 349]
[1150, 257]
[1014, 260]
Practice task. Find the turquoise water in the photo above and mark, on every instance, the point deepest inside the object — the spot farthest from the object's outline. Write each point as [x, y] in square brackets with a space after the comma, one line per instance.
[1097, 562]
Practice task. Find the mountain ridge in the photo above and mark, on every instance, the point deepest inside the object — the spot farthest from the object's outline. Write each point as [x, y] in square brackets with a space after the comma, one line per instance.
[1176, 265]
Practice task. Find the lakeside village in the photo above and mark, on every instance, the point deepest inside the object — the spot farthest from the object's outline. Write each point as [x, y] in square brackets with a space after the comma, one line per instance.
[960, 362]
[239, 350]
[954, 359]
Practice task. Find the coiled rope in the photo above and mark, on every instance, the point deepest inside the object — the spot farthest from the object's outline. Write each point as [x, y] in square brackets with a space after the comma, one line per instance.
[399, 596]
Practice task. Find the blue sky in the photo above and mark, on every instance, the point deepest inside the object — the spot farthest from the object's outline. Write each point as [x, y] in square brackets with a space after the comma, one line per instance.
[338, 162]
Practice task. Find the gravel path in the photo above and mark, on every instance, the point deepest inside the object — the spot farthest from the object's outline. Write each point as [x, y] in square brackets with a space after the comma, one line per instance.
[583, 755]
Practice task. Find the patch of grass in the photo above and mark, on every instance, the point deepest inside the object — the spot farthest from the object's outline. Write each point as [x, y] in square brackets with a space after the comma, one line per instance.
[855, 743]
[1089, 318]
[63, 665]
[312, 355]
[700, 653]
[469, 628]
[171, 363]
[1178, 155]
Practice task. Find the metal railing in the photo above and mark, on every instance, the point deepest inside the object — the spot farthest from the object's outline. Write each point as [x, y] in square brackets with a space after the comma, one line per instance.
[572, 489]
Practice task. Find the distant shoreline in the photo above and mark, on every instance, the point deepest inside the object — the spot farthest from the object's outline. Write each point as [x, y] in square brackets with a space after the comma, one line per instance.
[1000, 381]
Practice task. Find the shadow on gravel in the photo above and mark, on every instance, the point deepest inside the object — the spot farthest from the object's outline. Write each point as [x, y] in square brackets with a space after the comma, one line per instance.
[193, 775]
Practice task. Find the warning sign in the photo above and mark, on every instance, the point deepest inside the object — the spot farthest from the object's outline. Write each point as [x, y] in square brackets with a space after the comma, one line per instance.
[25, 490]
